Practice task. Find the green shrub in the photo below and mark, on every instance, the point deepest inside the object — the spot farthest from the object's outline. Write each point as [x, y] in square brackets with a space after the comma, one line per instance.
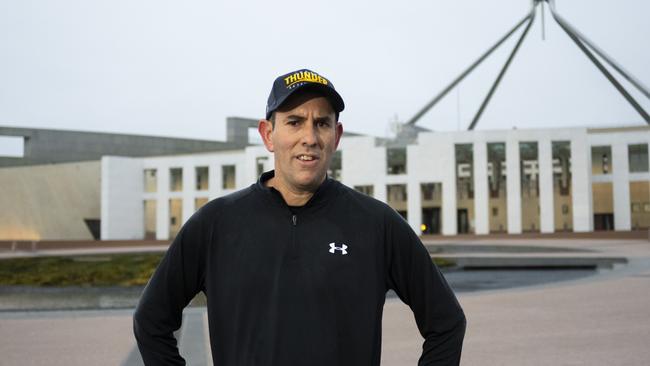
[133, 269]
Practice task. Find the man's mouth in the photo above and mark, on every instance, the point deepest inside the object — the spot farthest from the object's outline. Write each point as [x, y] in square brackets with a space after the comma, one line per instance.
[307, 157]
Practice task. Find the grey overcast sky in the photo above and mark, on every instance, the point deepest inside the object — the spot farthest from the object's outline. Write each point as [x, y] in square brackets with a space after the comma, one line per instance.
[179, 68]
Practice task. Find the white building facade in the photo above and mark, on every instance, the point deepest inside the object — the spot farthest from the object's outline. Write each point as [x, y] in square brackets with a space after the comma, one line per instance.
[477, 182]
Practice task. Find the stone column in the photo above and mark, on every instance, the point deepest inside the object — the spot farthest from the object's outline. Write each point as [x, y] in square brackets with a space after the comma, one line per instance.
[546, 202]
[481, 201]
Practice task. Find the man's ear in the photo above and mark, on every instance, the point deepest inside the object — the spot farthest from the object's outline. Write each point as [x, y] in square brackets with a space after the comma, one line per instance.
[265, 128]
[339, 133]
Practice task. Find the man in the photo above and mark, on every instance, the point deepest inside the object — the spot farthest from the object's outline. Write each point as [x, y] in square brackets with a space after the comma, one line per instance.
[296, 267]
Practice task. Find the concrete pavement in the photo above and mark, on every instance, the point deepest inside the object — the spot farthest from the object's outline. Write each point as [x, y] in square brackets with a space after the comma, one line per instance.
[601, 322]
[598, 320]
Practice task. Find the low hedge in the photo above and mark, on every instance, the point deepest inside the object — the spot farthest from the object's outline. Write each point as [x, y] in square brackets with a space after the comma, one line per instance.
[133, 269]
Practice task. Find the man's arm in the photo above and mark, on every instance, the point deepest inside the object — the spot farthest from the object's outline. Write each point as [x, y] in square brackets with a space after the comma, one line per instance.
[419, 283]
[178, 278]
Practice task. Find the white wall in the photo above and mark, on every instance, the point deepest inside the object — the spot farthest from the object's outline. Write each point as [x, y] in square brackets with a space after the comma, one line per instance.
[513, 182]
[620, 175]
[583, 218]
[363, 164]
[189, 163]
[433, 160]
[249, 172]
[481, 192]
[430, 160]
[121, 198]
[546, 203]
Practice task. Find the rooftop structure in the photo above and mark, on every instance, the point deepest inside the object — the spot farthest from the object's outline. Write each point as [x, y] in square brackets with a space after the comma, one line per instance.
[49, 146]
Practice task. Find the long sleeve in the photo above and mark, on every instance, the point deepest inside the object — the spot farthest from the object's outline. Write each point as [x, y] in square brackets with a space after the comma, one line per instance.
[178, 278]
[419, 283]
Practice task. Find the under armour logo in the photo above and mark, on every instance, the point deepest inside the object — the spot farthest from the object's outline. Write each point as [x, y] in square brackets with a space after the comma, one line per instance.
[342, 248]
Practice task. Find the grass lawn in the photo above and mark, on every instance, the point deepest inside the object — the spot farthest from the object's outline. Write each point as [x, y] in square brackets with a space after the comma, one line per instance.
[133, 269]
[444, 263]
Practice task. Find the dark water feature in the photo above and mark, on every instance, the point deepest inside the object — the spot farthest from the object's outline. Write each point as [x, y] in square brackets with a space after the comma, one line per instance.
[478, 280]
[518, 248]
[14, 298]
[20, 298]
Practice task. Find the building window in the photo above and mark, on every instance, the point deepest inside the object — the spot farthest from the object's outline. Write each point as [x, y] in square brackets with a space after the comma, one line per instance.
[368, 190]
[228, 177]
[175, 179]
[396, 160]
[427, 190]
[199, 202]
[431, 202]
[430, 191]
[150, 181]
[397, 198]
[603, 199]
[150, 219]
[562, 197]
[202, 180]
[601, 160]
[565, 209]
[529, 165]
[496, 180]
[464, 155]
[260, 162]
[640, 202]
[638, 158]
[334, 171]
[397, 192]
[175, 216]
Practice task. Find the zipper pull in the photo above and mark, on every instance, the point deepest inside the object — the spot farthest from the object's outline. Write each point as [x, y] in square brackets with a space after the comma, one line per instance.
[294, 219]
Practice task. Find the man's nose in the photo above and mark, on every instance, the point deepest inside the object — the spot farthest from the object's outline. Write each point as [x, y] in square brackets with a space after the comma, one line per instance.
[310, 134]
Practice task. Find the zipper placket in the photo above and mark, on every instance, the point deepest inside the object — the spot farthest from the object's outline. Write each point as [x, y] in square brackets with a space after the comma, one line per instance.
[294, 245]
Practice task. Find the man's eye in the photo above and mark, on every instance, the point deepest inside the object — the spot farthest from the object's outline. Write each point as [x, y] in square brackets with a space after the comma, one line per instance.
[292, 122]
[323, 124]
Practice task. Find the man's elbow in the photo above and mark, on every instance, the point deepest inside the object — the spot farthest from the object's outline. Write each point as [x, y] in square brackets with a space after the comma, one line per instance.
[138, 328]
[144, 328]
[460, 327]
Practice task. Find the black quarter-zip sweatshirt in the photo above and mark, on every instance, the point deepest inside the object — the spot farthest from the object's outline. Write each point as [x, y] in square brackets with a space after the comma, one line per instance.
[297, 285]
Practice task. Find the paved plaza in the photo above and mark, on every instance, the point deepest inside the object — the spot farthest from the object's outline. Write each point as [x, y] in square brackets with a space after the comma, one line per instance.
[598, 320]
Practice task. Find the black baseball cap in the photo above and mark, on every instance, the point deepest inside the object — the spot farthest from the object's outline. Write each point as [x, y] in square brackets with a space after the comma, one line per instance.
[287, 84]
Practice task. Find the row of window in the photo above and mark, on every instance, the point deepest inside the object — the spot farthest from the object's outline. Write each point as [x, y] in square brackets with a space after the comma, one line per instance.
[398, 193]
[601, 162]
[603, 208]
[601, 159]
[202, 178]
[431, 197]
[603, 199]
[175, 215]
[529, 167]
[396, 164]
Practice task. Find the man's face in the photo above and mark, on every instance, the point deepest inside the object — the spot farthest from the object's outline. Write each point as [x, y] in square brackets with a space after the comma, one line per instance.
[303, 140]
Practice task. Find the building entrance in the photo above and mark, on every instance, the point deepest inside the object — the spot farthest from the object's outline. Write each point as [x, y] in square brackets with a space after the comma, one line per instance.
[604, 222]
[462, 221]
[431, 220]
